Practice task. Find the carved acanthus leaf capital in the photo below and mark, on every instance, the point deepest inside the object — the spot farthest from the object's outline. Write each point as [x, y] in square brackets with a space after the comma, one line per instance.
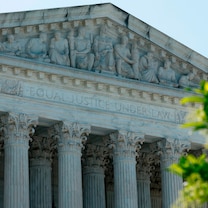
[172, 148]
[94, 155]
[126, 143]
[17, 126]
[42, 147]
[145, 163]
[70, 134]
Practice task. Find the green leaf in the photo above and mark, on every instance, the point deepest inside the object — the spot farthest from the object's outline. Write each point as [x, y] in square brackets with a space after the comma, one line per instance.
[192, 99]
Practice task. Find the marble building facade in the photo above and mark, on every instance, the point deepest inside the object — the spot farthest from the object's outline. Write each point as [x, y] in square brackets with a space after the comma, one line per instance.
[89, 109]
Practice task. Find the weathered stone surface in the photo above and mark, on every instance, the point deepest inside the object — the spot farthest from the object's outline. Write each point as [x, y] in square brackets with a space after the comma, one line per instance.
[95, 65]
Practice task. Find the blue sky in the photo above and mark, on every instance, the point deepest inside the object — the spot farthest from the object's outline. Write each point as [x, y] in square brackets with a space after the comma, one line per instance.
[183, 20]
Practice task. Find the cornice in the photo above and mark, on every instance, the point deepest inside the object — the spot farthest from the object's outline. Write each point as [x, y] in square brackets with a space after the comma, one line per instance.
[91, 82]
[43, 20]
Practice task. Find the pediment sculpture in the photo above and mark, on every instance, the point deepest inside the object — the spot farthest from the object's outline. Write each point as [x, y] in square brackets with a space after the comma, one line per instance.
[96, 49]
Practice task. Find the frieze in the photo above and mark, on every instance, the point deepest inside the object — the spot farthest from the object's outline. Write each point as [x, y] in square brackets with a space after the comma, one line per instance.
[100, 48]
[106, 104]
[96, 102]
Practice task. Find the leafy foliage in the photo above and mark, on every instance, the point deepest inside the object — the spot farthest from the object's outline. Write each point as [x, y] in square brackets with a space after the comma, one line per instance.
[194, 170]
[199, 118]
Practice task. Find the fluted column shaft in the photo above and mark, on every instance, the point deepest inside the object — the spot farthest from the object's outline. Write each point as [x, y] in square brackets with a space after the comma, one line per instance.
[171, 183]
[93, 176]
[156, 200]
[125, 182]
[143, 189]
[124, 161]
[144, 168]
[40, 172]
[70, 137]
[16, 172]
[16, 175]
[70, 178]
[110, 199]
[94, 188]
[40, 183]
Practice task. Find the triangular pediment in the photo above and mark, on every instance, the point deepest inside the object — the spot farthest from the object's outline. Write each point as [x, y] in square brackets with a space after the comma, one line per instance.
[100, 38]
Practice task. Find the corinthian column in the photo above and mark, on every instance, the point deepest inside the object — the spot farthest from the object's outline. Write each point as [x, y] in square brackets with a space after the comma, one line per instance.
[70, 137]
[40, 172]
[93, 177]
[124, 160]
[171, 183]
[16, 130]
[144, 168]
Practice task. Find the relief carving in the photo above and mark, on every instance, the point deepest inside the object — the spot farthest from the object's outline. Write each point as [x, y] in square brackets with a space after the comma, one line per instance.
[37, 48]
[103, 49]
[99, 50]
[148, 68]
[167, 75]
[11, 46]
[11, 87]
[189, 80]
[124, 62]
[80, 51]
[59, 50]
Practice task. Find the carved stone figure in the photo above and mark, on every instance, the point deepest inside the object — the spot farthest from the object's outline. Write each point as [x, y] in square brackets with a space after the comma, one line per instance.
[148, 68]
[167, 75]
[80, 50]
[37, 48]
[11, 46]
[135, 57]
[59, 50]
[123, 59]
[188, 80]
[103, 48]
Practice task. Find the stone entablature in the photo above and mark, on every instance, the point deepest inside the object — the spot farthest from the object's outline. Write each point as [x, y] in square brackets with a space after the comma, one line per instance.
[75, 82]
[98, 44]
[95, 14]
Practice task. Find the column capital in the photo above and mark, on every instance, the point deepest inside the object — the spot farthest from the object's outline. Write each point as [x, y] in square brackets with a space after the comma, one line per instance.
[70, 134]
[125, 143]
[145, 164]
[94, 156]
[17, 126]
[42, 147]
[172, 149]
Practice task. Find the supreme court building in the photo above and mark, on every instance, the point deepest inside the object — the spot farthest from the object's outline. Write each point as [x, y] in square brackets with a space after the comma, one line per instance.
[89, 109]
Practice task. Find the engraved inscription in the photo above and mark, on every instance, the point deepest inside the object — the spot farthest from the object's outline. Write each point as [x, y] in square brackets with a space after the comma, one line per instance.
[105, 104]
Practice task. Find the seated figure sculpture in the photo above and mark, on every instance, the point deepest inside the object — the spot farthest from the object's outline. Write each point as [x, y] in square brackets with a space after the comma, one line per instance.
[124, 63]
[167, 75]
[189, 80]
[59, 50]
[37, 48]
[80, 50]
[148, 68]
[103, 48]
[11, 46]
